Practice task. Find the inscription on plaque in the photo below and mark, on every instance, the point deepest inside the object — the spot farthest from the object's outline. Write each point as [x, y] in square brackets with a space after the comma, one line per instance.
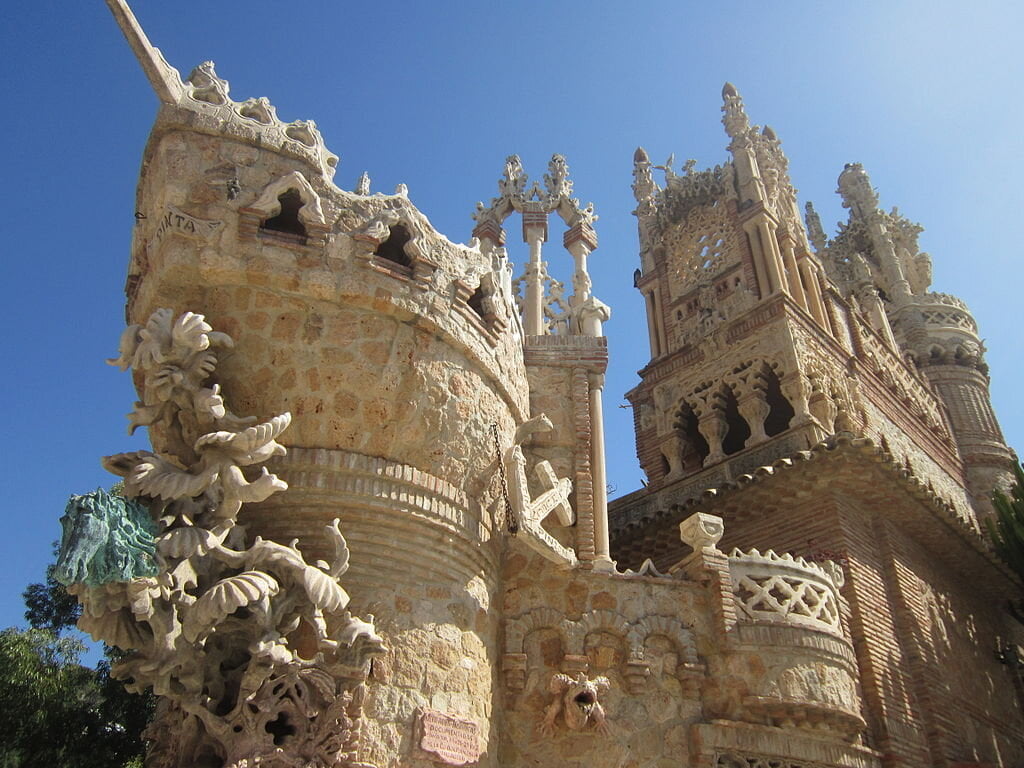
[449, 739]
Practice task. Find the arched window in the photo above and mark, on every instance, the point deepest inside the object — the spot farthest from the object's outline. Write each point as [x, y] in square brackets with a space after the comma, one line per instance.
[695, 447]
[780, 411]
[287, 221]
[393, 249]
[737, 429]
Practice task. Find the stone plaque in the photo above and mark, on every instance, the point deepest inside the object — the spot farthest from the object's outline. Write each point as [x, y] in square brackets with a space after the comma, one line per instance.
[449, 739]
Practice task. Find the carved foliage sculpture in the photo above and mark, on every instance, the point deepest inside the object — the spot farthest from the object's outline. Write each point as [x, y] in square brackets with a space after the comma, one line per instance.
[251, 647]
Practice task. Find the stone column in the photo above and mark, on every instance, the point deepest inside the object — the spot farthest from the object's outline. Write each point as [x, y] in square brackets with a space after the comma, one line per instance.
[755, 409]
[796, 288]
[592, 314]
[757, 253]
[602, 561]
[712, 426]
[795, 390]
[535, 232]
[814, 300]
[872, 304]
[580, 240]
[652, 324]
[772, 258]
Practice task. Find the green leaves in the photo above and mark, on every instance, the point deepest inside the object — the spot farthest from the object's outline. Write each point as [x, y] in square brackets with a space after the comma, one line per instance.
[1006, 529]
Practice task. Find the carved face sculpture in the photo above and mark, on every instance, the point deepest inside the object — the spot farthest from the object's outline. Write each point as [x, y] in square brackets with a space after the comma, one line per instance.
[580, 700]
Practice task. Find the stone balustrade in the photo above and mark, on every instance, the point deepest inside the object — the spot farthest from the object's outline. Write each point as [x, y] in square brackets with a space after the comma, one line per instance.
[782, 589]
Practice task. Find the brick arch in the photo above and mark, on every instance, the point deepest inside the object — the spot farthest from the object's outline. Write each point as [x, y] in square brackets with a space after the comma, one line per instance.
[517, 629]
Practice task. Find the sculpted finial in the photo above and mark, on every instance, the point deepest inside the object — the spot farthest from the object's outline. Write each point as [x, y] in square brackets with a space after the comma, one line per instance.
[734, 118]
[644, 187]
[363, 185]
[815, 232]
[856, 190]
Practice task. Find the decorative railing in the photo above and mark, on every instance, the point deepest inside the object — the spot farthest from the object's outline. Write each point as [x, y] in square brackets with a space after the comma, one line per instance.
[893, 372]
[782, 589]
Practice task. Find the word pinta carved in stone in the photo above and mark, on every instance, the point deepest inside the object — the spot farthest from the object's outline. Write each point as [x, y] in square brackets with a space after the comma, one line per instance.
[250, 647]
[576, 699]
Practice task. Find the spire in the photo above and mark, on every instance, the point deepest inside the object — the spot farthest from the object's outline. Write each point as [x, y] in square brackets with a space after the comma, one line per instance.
[815, 232]
[644, 187]
[856, 190]
[734, 118]
[162, 76]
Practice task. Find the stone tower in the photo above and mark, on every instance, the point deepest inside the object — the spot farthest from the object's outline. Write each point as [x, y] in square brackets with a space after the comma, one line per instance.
[765, 340]
[422, 402]
[820, 400]
[876, 255]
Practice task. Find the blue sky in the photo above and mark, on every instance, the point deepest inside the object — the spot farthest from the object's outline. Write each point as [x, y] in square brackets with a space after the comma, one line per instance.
[435, 95]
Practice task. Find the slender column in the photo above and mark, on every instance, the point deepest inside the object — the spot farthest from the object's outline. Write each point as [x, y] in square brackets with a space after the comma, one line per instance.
[876, 314]
[772, 259]
[795, 390]
[712, 427]
[814, 302]
[659, 321]
[754, 409]
[602, 560]
[796, 288]
[592, 314]
[534, 233]
[652, 327]
[764, 285]
[580, 240]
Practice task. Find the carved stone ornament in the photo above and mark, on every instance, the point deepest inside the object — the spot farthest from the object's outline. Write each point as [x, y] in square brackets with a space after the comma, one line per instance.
[576, 700]
[250, 647]
[530, 512]
[701, 530]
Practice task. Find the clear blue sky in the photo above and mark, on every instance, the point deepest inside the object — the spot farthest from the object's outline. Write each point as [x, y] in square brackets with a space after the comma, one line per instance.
[435, 94]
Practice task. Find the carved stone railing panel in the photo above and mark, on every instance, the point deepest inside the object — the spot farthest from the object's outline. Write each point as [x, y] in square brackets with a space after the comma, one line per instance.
[782, 589]
[898, 379]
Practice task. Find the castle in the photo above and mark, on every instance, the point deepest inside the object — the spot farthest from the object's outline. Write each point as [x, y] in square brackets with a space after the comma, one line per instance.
[802, 582]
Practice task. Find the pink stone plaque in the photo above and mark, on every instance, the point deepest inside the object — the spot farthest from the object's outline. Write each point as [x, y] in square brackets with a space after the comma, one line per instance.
[453, 741]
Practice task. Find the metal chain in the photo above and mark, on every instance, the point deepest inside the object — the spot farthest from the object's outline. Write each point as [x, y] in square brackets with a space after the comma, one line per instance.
[510, 516]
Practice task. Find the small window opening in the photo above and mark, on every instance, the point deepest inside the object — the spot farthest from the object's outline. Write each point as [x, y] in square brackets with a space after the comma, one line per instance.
[287, 220]
[280, 729]
[476, 302]
[393, 249]
[737, 429]
[665, 466]
[780, 412]
[695, 447]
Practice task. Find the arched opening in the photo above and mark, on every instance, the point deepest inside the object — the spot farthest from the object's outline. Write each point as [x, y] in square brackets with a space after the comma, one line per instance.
[476, 302]
[665, 466]
[737, 429]
[287, 221]
[393, 249]
[780, 412]
[695, 447]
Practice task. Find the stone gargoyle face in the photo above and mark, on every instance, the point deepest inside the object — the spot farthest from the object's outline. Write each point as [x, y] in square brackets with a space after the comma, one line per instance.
[579, 698]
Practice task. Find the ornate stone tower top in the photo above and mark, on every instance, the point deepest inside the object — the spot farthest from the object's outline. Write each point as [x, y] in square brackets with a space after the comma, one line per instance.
[766, 337]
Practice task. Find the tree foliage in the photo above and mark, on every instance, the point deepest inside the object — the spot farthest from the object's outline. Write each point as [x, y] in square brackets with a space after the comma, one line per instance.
[53, 709]
[1006, 529]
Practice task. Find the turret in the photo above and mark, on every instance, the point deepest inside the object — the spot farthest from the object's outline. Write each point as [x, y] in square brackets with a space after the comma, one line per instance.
[760, 343]
[876, 262]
